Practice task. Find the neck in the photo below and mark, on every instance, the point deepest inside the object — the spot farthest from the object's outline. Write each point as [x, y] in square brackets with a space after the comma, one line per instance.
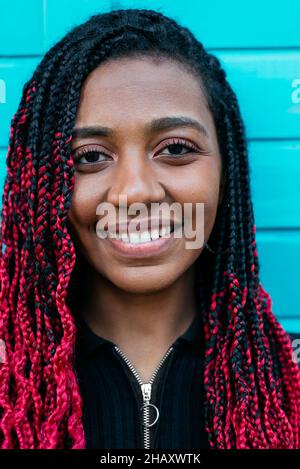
[147, 320]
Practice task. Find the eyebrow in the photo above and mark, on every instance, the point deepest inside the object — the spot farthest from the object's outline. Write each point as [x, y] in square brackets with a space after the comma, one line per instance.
[163, 123]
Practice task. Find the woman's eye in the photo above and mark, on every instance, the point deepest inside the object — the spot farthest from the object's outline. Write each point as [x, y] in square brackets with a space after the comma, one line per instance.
[176, 148]
[90, 157]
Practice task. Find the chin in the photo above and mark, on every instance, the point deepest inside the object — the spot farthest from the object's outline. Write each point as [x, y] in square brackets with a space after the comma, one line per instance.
[142, 283]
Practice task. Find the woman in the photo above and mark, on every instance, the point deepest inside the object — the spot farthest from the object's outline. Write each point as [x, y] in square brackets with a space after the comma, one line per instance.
[130, 104]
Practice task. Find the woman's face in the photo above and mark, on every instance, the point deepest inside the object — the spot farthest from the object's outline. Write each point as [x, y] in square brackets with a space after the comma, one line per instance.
[145, 162]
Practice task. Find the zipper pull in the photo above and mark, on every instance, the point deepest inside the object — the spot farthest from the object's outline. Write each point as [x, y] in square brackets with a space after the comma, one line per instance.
[146, 391]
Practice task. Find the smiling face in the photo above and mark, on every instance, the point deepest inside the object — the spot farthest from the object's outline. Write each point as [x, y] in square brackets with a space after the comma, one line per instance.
[146, 154]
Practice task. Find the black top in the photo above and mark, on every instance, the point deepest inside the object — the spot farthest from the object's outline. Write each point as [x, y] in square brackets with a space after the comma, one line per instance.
[112, 395]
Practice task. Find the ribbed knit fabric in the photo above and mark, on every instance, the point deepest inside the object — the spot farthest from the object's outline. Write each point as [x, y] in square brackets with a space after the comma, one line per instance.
[112, 396]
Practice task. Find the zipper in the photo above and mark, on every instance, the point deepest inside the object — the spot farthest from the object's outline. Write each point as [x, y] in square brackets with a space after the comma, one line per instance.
[146, 389]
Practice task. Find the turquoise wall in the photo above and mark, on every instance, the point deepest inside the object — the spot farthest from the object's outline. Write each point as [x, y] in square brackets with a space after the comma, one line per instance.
[258, 44]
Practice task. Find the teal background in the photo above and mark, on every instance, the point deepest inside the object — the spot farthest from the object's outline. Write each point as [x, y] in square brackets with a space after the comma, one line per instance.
[258, 43]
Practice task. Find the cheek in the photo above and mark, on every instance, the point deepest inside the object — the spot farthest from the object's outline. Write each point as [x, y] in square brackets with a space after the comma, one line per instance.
[85, 199]
[199, 183]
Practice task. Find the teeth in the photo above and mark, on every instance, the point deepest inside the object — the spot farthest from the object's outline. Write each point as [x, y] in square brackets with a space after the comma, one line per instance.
[143, 237]
[165, 231]
[154, 234]
[124, 237]
[134, 238]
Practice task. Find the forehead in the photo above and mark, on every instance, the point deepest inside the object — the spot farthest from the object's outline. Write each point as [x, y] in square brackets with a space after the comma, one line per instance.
[121, 90]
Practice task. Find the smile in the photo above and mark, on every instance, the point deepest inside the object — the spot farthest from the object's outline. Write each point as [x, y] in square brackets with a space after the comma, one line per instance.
[146, 243]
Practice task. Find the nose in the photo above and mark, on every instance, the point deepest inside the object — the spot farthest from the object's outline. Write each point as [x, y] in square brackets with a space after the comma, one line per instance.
[135, 177]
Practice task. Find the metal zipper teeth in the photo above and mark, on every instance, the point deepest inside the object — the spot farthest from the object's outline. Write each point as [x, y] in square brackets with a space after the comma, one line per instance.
[146, 389]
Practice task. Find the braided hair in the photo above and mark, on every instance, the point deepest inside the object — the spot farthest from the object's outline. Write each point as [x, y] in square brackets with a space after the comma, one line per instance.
[251, 383]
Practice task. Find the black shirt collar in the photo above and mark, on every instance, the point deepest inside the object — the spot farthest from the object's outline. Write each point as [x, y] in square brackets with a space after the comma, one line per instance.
[88, 342]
